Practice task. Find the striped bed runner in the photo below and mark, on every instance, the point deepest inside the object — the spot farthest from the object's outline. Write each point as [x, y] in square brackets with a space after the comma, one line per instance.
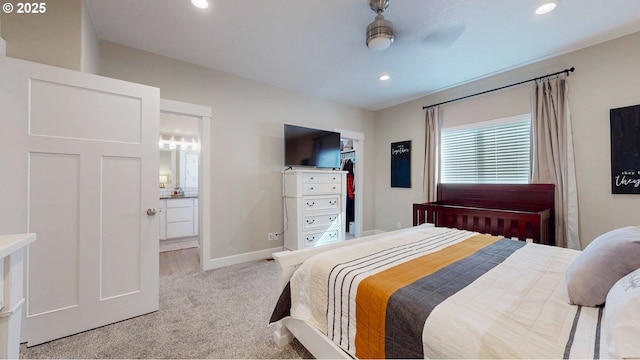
[392, 305]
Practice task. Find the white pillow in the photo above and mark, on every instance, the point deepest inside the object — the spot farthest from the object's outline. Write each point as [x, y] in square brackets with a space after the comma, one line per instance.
[604, 261]
[622, 317]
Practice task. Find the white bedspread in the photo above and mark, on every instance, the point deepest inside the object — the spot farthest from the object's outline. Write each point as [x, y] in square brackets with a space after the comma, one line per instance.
[517, 309]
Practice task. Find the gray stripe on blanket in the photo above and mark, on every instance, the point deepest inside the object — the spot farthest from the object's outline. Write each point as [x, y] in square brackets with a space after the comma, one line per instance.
[409, 307]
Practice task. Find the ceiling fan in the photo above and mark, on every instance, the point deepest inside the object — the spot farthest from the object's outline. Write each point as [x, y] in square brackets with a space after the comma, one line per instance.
[380, 31]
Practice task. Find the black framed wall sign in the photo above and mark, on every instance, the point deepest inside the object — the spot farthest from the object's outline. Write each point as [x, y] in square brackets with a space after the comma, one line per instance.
[401, 164]
[625, 150]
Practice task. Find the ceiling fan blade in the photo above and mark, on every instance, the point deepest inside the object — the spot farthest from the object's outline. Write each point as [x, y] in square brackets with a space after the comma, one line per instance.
[444, 37]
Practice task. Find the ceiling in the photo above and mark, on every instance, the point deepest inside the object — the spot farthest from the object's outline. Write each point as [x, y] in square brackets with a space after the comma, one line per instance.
[318, 47]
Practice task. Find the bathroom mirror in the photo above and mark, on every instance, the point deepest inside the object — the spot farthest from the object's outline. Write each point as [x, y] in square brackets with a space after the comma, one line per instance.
[179, 151]
[178, 168]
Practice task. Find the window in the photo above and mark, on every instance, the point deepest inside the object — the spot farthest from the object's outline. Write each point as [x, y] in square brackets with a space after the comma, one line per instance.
[495, 151]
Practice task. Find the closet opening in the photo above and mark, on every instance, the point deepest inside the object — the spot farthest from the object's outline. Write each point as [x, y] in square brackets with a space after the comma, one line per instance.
[351, 161]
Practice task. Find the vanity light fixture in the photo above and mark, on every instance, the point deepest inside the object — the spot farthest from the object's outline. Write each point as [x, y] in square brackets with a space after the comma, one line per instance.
[546, 6]
[183, 143]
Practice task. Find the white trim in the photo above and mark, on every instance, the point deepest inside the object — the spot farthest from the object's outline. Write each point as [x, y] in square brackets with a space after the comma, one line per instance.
[181, 108]
[358, 146]
[487, 123]
[3, 47]
[204, 172]
[309, 336]
[350, 134]
[3, 44]
[240, 258]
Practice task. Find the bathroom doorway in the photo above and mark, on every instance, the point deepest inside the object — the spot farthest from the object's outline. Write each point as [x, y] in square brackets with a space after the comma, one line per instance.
[184, 186]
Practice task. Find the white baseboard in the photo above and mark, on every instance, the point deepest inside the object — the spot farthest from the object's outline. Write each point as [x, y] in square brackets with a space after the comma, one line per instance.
[240, 258]
[257, 255]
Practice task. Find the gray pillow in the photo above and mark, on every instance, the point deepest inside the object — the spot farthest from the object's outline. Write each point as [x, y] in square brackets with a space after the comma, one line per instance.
[604, 261]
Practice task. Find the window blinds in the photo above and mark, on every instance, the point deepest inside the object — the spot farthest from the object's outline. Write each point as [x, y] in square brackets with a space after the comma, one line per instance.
[492, 152]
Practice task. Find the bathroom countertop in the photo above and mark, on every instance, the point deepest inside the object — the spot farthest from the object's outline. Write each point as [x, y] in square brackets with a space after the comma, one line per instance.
[178, 197]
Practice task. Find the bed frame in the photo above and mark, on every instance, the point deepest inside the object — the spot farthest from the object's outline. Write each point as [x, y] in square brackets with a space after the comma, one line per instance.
[523, 211]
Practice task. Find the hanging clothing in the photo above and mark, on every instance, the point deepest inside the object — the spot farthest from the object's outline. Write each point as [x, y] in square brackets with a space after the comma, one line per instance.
[351, 188]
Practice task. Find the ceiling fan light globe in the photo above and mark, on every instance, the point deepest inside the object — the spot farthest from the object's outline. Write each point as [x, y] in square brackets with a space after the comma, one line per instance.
[379, 34]
[379, 43]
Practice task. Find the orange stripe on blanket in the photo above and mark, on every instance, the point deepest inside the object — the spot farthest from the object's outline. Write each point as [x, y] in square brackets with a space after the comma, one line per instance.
[374, 291]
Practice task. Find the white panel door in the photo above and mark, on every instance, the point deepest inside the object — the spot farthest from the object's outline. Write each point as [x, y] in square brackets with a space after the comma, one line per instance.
[79, 163]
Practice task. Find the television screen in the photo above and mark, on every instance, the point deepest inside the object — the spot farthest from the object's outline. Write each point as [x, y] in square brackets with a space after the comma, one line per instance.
[311, 147]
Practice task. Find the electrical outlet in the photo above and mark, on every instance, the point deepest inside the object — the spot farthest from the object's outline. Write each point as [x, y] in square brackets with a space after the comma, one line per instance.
[270, 237]
[276, 236]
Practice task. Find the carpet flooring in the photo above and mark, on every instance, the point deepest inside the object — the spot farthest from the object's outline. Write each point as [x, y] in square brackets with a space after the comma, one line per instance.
[221, 313]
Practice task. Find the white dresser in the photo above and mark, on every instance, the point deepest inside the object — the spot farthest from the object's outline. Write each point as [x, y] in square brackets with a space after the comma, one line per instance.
[314, 206]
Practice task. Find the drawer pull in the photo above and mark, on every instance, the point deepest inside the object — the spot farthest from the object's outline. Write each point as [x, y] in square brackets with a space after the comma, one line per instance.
[310, 239]
[332, 218]
[310, 204]
[311, 188]
[311, 221]
[333, 234]
[334, 188]
[333, 202]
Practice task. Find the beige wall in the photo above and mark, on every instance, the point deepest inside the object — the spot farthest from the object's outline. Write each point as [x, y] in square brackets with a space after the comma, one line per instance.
[605, 78]
[52, 38]
[247, 140]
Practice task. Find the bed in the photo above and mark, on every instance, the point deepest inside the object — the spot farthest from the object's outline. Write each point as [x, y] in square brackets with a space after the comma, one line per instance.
[437, 292]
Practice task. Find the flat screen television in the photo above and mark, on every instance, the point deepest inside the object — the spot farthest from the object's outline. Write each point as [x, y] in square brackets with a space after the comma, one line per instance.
[311, 147]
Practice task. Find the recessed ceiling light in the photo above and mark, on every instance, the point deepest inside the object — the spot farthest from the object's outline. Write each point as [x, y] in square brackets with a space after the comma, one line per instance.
[546, 7]
[200, 4]
[384, 77]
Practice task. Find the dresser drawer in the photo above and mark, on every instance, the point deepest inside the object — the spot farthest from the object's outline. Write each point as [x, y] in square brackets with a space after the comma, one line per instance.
[320, 203]
[321, 178]
[312, 239]
[312, 189]
[324, 221]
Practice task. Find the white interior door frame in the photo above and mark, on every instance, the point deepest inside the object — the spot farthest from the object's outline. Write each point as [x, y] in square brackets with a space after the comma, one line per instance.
[203, 113]
[358, 146]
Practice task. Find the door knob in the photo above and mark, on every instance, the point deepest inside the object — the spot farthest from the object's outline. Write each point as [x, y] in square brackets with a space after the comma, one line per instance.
[151, 211]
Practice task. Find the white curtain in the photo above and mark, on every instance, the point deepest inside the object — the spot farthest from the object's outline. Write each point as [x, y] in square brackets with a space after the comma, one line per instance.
[552, 155]
[431, 175]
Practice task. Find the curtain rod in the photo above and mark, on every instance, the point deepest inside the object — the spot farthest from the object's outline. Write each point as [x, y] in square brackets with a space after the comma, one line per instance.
[565, 71]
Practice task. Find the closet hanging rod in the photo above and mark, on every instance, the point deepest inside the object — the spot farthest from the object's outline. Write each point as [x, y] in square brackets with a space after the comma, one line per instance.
[565, 71]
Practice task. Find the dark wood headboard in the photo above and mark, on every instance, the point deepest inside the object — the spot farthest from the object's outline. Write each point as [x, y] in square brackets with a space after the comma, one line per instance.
[524, 211]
